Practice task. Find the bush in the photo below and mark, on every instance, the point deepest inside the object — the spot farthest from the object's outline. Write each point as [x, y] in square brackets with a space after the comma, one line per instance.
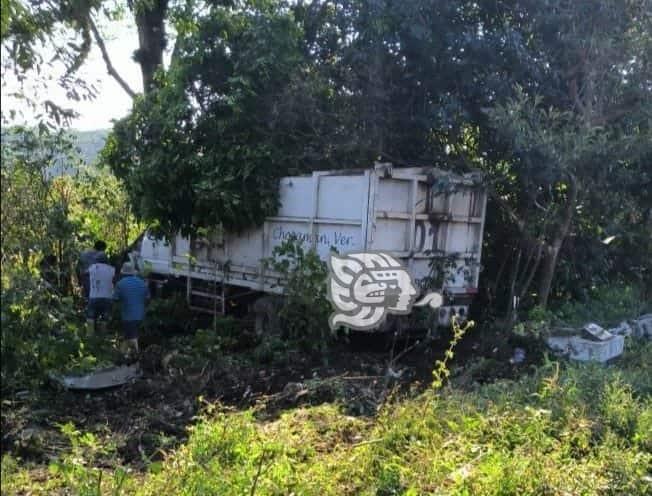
[168, 316]
[42, 331]
[305, 309]
[225, 335]
[606, 305]
[39, 328]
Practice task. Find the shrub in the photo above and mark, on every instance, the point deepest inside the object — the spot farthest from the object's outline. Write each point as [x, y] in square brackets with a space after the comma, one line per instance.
[305, 309]
[42, 331]
[566, 429]
[606, 305]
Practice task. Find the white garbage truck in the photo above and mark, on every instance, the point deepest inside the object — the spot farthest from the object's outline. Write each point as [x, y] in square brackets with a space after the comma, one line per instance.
[429, 219]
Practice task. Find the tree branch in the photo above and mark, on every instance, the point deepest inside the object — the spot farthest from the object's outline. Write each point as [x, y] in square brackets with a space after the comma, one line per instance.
[520, 223]
[570, 207]
[533, 269]
[105, 55]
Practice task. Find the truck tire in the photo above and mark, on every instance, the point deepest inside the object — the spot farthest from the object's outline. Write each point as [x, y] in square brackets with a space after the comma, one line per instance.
[266, 310]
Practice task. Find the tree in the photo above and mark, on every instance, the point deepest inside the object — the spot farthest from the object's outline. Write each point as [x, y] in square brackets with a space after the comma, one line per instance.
[47, 215]
[202, 149]
[262, 89]
[39, 34]
[586, 122]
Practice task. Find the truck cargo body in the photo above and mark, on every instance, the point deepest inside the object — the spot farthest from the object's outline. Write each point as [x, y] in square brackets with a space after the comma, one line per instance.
[430, 220]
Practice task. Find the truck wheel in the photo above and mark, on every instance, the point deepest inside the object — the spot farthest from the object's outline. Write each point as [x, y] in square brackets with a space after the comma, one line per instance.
[266, 311]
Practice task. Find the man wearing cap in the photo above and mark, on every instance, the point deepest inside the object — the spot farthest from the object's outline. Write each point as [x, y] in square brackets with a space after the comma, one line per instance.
[132, 293]
[100, 277]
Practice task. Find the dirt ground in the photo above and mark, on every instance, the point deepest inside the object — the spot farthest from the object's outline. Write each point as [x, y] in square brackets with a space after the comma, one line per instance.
[151, 415]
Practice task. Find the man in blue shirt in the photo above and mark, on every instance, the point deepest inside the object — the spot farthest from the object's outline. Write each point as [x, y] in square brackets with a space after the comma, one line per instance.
[132, 293]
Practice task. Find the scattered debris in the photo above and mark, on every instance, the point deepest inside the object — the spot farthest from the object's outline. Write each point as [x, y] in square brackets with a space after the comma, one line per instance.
[167, 358]
[394, 374]
[149, 416]
[293, 388]
[36, 442]
[642, 327]
[586, 350]
[622, 329]
[594, 343]
[591, 343]
[518, 357]
[594, 332]
[100, 379]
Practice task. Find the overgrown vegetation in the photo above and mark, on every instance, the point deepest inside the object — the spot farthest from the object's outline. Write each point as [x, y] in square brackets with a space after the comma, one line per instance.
[549, 99]
[606, 306]
[303, 313]
[46, 221]
[579, 429]
[564, 141]
[39, 329]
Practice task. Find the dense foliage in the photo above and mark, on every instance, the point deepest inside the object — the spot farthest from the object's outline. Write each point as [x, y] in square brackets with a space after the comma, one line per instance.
[551, 101]
[303, 313]
[52, 203]
[209, 123]
[580, 144]
[261, 89]
[47, 219]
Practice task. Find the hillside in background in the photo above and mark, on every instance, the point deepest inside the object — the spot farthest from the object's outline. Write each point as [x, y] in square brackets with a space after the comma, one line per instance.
[90, 143]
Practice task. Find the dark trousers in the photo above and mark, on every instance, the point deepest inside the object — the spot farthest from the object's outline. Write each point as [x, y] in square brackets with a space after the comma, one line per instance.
[85, 281]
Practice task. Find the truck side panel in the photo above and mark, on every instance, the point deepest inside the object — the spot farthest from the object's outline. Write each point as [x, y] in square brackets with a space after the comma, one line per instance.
[402, 211]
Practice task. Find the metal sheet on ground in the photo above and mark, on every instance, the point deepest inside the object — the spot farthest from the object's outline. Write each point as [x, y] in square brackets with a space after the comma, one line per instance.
[101, 379]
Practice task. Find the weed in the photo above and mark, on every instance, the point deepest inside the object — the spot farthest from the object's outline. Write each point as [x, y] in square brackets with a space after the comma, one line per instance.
[441, 371]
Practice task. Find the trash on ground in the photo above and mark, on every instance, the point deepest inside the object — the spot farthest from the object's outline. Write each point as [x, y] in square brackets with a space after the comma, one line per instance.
[585, 350]
[518, 356]
[594, 332]
[594, 343]
[100, 379]
[622, 329]
[642, 327]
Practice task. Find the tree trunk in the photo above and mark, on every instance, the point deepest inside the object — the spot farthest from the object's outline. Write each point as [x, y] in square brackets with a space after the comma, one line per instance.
[547, 273]
[552, 249]
[533, 269]
[150, 20]
[511, 302]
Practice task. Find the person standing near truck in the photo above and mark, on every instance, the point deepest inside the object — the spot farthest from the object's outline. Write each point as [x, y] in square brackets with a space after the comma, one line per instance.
[132, 293]
[100, 276]
[86, 259]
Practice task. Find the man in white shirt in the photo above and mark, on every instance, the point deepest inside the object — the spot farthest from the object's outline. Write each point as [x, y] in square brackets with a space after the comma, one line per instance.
[86, 259]
[100, 300]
